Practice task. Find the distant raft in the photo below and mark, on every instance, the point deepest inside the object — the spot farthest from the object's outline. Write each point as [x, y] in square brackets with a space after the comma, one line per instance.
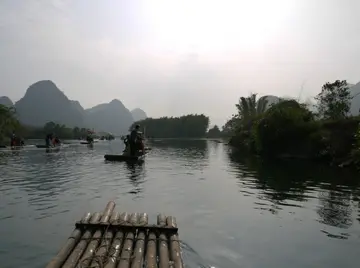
[47, 147]
[122, 158]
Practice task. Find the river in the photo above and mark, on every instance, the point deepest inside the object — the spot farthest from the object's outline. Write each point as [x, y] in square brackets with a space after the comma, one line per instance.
[231, 211]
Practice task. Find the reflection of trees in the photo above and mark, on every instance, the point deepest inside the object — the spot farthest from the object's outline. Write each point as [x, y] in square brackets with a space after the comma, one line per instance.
[284, 181]
[193, 152]
[182, 147]
[277, 183]
[335, 207]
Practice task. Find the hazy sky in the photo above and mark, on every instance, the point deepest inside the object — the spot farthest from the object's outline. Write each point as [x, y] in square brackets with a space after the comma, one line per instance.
[175, 57]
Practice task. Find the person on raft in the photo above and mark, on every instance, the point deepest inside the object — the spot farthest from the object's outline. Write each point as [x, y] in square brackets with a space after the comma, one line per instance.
[56, 141]
[136, 141]
[16, 141]
[89, 137]
[13, 139]
[49, 139]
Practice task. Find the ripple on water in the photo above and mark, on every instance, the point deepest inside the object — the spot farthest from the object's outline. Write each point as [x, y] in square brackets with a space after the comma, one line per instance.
[231, 212]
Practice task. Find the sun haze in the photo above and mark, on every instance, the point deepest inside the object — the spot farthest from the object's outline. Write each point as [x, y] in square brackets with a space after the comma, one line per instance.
[175, 57]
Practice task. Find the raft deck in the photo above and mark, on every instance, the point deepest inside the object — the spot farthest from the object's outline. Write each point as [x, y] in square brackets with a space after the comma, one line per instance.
[110, 239]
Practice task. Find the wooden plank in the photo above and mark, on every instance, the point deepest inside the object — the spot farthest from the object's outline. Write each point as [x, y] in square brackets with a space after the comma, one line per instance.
[61, 257]
[175, 250]
[126, 226]
[163, 244]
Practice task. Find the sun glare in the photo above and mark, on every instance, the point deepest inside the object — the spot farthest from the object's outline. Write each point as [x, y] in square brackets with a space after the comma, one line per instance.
[210, 25]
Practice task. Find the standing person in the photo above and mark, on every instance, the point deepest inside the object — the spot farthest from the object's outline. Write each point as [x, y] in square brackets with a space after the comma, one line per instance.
[48, 140]
[133, 139]
[13, 139]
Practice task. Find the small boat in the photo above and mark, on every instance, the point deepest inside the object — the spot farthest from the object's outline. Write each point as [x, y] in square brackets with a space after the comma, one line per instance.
[123, 158]
[85, 142]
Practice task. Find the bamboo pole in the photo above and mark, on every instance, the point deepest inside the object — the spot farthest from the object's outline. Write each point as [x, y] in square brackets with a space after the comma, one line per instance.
[104, 248]
[81, 246]
[151, 261]
[117, 243]
[163, 244]
[175, 250]
[127, 249]
[140, 244]
[61, 257]
[96, 238]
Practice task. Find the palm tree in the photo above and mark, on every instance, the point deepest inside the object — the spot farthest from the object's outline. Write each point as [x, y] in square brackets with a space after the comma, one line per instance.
[249, 107]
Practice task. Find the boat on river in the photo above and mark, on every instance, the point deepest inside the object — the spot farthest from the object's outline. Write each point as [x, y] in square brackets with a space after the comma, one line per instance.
[124, 157]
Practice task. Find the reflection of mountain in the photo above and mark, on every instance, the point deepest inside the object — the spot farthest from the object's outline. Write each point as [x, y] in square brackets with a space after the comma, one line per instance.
[292, 183]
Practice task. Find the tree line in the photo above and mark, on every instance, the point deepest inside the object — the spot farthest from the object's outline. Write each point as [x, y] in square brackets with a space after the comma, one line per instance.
[9, 124]
[187, 126]
[289, 129]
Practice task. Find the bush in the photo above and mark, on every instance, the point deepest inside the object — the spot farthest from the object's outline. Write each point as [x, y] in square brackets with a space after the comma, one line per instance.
[285, 127]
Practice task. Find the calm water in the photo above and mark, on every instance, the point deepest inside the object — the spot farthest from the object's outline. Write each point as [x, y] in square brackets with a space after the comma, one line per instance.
[231, 212]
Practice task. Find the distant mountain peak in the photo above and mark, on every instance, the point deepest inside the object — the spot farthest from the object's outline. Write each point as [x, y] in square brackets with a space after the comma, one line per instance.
[44, 102]
[138, 114]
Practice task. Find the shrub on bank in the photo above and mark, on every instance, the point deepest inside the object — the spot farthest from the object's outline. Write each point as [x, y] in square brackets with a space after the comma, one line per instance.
[288, 129]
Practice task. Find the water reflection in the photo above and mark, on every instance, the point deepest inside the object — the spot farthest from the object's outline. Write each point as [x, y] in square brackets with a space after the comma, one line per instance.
[136, 175]
[290, 184]
[193, 154]
[232, 210]
[191, 149]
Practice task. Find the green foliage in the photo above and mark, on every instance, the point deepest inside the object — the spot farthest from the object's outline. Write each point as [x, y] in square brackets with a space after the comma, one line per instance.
[214, 132]
[334, 100]
[8, 122]
[285, 126]
[188, 126]
[356, 151]
[249, 107]
[61, 131]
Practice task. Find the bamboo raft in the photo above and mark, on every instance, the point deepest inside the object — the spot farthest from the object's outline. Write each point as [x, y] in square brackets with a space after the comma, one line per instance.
[110, 239]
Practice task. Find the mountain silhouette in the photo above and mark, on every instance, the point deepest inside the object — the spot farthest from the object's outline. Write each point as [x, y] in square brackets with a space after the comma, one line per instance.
[113, 117]
[44, 102]
[138, 114]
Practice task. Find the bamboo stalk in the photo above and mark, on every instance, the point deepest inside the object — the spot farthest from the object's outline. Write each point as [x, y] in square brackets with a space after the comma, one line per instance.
[117, 243]
[81, 246]
[163, 244]
[61, 257]
[127, 249]
[104, 248]
[175, 250]
[151, 261]
[96, 238]
[140, 244]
